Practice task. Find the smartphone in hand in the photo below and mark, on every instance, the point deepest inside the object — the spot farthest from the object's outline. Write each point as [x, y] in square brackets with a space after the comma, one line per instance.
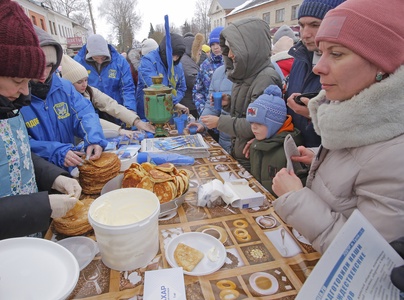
[305, 95]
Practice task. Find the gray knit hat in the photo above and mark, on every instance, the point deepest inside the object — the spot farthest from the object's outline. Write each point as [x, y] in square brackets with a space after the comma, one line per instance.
[284, 30]
[317, 8]
[97, 46]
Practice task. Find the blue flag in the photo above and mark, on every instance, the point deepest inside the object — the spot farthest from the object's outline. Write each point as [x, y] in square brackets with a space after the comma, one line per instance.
[169, 53]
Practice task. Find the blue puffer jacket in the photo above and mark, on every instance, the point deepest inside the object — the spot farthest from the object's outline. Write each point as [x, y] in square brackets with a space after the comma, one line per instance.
[219, 83]
[152, 65]
[115, 78]
[303, 80]
[54, 122]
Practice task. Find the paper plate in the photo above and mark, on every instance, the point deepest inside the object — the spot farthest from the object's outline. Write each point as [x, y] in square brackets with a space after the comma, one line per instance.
[33, 268]
[83, 248]
[202, 242]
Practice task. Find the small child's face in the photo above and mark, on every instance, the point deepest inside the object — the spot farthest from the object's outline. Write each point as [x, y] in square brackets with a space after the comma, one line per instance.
[260, 131]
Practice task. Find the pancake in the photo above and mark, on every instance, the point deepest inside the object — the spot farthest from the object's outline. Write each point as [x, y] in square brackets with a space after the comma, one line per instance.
[165, 180]
[94, 174]
[77, 223]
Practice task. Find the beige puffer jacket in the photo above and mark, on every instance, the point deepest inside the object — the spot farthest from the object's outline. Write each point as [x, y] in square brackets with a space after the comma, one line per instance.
[360, 166]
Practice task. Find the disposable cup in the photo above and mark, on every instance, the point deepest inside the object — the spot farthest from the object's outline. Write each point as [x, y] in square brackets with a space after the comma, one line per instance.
[217, 100]
[179, 124]
[193, 129]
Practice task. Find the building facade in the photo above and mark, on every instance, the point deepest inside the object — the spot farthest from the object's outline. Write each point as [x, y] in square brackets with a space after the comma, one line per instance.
[275, 12]
[71, 35]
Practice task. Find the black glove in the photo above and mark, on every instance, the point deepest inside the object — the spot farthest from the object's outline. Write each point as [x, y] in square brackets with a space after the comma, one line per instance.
[397, 274]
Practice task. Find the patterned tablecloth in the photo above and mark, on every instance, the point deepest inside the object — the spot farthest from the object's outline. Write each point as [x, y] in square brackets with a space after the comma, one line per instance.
[271, 246]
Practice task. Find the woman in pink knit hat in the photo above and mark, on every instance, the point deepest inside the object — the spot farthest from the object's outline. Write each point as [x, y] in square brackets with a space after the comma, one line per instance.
[359, 115]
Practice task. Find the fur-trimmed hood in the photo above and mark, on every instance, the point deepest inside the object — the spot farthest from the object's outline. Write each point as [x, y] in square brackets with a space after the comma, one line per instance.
[375, 114]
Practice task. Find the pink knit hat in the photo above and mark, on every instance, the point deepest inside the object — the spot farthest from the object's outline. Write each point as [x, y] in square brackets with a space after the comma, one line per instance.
[370, 28]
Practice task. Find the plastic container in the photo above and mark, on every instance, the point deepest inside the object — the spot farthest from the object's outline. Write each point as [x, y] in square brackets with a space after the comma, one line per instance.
[217, 100]
[125, 223]
[161, 158]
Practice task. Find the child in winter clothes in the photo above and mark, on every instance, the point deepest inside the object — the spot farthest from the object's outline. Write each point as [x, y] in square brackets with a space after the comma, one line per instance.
[270, 125]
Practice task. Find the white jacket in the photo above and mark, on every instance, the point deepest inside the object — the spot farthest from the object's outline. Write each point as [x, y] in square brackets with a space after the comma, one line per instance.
[361, 165]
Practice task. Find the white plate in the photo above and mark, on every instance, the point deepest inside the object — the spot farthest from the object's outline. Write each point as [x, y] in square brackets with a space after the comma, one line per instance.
[264, 291]
[83, 248]
[33, 268]
[203, 242]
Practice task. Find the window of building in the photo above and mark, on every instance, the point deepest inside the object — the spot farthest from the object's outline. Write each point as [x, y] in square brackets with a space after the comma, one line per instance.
[50, 27]
[280, 15]
[33, 20]
[54, 29]
[267, 17]
[60, 31]
[295, 10]
[42, 24]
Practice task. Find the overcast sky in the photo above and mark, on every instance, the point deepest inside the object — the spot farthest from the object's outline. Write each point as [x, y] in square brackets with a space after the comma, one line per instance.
[152, 11]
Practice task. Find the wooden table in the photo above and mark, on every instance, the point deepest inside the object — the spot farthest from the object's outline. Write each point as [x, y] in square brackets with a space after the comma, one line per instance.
[290, 263]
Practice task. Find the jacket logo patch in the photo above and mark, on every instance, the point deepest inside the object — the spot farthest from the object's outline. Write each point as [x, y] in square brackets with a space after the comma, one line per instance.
[112, 73]
[62, 110]
[32, 123]
[252, 111]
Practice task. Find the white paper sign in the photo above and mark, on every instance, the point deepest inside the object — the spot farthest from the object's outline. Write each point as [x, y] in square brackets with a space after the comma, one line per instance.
[357, 265]
[165, 284]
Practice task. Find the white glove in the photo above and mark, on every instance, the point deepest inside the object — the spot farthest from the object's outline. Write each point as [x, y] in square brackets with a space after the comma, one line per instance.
[61, 204]
[67, 185]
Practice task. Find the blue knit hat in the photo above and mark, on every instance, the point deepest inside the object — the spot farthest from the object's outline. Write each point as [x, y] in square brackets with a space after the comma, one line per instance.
[268, 109]
[317, 8]
[214, 36]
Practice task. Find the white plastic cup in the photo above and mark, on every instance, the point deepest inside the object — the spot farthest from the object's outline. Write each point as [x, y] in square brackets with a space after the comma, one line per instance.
[125, 223]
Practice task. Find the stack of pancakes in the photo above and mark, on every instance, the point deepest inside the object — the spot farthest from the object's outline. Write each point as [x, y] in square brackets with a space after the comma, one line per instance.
[163, 180]
[94, 174]
[75, 222]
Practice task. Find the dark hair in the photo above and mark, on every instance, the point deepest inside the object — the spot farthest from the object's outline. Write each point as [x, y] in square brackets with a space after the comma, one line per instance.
[90, 92]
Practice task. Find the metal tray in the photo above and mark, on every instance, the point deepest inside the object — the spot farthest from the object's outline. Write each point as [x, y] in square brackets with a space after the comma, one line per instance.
[165, 208]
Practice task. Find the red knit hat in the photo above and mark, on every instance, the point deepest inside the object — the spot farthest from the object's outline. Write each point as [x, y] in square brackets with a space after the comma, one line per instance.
[20, 54]
[370, 28]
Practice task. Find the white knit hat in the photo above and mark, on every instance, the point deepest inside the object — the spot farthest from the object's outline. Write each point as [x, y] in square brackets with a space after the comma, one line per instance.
[72, 70]
[148, 45]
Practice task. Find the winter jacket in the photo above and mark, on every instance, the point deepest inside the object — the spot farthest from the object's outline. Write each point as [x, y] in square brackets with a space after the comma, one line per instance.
[200, 91]
[114, 79]
[219, 83]
[152, 65]
[54, 122]
[284, 61]
[357, 167]
[303, 80]
[105, 103]
[190, 68]
[267, 157]
[252, 73]
[23, 210]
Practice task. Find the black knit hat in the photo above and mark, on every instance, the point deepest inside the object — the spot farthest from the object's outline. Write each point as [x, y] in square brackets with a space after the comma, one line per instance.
[21, 56]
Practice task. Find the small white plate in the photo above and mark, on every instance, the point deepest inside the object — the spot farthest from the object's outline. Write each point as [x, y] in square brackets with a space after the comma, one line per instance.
[202, 242]
[261, 289]
[34, 268]
[83, 248]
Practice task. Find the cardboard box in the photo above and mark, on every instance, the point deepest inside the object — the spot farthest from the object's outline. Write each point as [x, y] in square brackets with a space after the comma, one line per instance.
[242, 195]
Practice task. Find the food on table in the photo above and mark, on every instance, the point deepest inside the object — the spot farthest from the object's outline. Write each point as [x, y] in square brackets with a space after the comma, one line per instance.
[75, 222]
[164, 180]
[187, 257]
[94, 174]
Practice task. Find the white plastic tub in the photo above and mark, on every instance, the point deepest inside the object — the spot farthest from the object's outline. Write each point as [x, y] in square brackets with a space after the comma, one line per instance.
[125, 223]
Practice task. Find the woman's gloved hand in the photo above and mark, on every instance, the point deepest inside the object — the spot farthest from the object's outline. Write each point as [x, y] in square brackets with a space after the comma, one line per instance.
[397, 274]
[67, 185]
[61, 204]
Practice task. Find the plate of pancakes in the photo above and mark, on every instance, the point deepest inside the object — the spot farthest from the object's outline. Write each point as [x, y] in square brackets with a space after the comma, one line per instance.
[167, 182]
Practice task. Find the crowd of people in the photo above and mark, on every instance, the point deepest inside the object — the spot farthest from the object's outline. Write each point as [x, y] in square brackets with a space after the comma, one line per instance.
[335, 89]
